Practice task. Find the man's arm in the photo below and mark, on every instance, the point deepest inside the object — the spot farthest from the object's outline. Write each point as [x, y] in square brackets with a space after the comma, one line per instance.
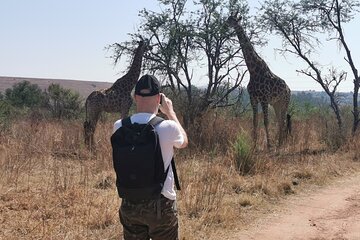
[166, 108]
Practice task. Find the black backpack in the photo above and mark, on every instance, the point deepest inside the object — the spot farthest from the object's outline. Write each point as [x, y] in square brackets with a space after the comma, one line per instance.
[138, 161]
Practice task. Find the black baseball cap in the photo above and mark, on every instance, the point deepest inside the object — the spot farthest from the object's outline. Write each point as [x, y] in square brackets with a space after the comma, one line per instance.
[148, 85]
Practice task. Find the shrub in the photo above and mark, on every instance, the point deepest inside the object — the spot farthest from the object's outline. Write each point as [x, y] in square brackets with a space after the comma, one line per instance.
[63, 103]
[8, 113]
[25, 94]
[243, 156]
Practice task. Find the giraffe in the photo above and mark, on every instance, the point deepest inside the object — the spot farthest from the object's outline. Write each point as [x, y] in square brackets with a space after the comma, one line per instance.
[264, 86]
[117, 98]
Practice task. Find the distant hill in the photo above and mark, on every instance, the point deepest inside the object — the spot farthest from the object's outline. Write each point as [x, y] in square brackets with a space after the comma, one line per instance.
[84, 88]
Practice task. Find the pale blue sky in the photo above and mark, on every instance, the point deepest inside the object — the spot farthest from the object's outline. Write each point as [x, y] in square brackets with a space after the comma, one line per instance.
[67, 39]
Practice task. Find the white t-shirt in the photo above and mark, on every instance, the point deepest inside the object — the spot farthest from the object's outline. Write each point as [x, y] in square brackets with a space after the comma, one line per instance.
[170, 136]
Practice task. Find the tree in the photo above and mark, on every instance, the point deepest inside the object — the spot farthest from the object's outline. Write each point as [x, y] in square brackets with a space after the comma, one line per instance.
[186, 41]
[25, 94]
[332, 14]
[299, 24]
[63, 103]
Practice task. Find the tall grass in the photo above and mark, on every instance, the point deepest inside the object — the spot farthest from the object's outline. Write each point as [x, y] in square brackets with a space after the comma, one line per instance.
[243, 153]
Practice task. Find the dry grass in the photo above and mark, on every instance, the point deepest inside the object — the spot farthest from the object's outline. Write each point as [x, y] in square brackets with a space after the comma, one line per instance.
[52, 188]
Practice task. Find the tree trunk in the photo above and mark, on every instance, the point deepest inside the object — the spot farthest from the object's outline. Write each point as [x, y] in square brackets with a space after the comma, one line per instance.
[356, 107]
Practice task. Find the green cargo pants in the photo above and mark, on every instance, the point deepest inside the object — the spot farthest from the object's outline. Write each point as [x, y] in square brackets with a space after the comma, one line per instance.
[149, 219]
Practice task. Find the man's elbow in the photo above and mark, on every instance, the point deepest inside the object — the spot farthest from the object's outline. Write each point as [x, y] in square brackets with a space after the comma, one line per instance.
[185, 143]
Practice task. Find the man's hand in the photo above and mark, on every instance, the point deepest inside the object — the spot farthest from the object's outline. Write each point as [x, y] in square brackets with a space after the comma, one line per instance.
[166, 106]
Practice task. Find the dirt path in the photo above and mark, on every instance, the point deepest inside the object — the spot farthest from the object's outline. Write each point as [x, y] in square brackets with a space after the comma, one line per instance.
[330, 213]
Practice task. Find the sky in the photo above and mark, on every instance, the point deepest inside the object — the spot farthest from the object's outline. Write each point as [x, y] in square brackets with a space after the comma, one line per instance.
[67, 40]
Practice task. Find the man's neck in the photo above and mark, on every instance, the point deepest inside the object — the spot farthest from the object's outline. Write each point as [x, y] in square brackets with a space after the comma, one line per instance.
[146, 110]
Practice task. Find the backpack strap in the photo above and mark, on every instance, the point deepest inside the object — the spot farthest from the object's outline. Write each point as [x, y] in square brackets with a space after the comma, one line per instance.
[176, 178]
[155, 121]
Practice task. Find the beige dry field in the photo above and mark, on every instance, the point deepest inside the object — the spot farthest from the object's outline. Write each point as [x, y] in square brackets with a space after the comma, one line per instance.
[51, 187]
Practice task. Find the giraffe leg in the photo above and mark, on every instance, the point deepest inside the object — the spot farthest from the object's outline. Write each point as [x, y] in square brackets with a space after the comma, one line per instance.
[265, 108]
[255, 121]
[282, 128]
[94, 107]
[281, 117]
[89, 130]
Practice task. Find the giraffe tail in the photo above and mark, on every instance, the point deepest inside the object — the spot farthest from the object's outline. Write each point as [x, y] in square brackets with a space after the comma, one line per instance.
[86, 126]
[288, 124]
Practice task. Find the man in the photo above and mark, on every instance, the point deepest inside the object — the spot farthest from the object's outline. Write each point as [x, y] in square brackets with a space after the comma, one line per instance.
[140, 219]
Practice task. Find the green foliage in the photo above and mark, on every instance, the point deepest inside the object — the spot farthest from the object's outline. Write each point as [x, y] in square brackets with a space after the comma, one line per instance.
[25, 94]
[25, 98]
[244, 158]
[63, 103]
[186, 35]
[303, 110]
[7, 114]
[307, 104]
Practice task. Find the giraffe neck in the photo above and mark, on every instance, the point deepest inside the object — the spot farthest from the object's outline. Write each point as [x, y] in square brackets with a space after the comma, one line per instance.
[131, 77]
[253, 61]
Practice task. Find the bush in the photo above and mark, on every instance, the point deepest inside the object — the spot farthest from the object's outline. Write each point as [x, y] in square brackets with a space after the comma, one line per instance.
[332, 136]
[7, 113]
[25, 94]
[63, 103]
[243, 156]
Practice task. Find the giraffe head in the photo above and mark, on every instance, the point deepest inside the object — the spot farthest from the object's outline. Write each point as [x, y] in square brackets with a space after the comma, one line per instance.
[233, 19]
[144, 44]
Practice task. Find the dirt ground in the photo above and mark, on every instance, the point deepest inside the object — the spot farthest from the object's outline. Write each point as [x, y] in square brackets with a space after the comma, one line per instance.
[327, 213]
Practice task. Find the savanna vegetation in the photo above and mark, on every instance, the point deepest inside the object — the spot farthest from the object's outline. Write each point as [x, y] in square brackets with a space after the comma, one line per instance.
[52, 187]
